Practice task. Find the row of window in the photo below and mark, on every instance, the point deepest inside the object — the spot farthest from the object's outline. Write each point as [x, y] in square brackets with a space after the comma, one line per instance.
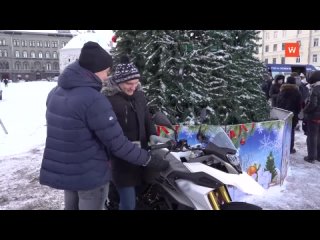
[4, 65]
[33, 43]
[37, 66]
[274, 60]
[33, 54]
[284, 33]
[275, 46]
[27, 66]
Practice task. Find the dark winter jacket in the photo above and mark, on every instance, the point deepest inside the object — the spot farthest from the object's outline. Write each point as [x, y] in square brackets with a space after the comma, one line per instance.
[274, 91]
[290, 99]
[82, 132]
[304, 91]
[312, 109]
[134, 118]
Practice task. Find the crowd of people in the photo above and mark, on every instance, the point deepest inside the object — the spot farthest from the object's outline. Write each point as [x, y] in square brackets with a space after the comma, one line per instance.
[302, 97]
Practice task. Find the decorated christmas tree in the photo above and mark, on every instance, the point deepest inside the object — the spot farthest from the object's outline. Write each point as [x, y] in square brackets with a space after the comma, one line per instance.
[270, 165]
[184, 71]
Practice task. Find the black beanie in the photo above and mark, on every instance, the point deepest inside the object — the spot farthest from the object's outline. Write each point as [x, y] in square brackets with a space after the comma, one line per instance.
[125, 71]
[315, 77]
[94, 58]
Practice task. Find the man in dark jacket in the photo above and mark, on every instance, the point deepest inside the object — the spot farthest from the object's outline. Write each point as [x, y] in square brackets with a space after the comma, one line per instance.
[312, 116]
[130, 106]
[83, 132]
[275, 88]
[290, 99]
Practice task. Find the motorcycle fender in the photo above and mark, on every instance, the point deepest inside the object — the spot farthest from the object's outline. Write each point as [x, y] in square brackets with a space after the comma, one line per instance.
[242, 181]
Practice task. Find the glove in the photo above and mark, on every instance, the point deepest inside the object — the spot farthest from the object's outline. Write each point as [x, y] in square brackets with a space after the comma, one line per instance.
[157, 162]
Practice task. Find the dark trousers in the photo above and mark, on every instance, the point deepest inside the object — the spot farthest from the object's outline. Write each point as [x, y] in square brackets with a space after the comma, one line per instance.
[295, 121]
[313, 140]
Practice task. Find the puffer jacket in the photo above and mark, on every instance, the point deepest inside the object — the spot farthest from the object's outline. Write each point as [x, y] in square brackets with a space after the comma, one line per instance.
[312, 108]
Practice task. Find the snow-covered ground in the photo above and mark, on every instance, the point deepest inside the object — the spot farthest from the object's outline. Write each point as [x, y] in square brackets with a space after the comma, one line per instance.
[22, 111]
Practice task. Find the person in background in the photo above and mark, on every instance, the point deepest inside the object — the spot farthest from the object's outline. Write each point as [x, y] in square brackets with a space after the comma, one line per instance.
[290, 99]
[275, 88]
[312, 116]
[130, 106]
[83, 132]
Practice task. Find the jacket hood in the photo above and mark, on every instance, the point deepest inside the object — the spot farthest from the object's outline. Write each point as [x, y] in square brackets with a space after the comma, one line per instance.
[76, 76]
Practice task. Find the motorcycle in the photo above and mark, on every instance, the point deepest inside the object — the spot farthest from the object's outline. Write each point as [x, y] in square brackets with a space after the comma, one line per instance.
[198, 176]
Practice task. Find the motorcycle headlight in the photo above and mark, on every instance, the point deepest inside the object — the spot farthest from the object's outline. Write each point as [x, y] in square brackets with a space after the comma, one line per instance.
[234, 159]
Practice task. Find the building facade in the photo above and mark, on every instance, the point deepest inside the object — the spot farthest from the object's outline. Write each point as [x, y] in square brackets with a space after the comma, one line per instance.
[31, 55]
[272, 46]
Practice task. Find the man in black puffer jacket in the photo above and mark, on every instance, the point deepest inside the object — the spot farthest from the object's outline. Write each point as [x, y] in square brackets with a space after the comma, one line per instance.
[83, 132]
[312, 116]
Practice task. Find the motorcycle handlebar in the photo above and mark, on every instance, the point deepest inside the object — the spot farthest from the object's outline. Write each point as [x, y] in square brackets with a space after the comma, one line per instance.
[168, 144]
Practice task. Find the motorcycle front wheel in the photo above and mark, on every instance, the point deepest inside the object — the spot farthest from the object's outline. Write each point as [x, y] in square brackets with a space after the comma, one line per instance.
[240, 206]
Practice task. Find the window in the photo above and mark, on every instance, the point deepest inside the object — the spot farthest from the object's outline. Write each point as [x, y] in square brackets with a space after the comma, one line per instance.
[47, 55]
[274, 47]
[284, 33]
[56, 66]
[54, 55]
[33, 54]
[48, 66]
[63, 44]
[5, 53]
[297, 59]
[314, 58]
[267, 35]
[275, 34]
[37, 66]
[267, 48]
[23, 43]
[266, 61]
[283, 60]
[16, 42]
[316, 42]
[25, 54]
[17, 54]
[54, 44]
[17, 66]
[47, 44]
[38, 43]
[40, 55]
[41, 45]
[283, 46]
[274, 60]
[2, 42]
[26, 65]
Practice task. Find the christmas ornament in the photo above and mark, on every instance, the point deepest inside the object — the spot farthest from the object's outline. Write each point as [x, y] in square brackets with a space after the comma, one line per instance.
[242, 141]
[114, 38]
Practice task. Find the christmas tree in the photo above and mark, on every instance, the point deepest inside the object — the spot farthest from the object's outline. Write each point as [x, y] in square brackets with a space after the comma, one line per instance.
[184, 71]
[270, 166]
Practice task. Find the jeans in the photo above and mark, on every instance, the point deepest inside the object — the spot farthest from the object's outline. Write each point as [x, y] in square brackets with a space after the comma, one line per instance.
[313, 140]
[86, 200]
[127, 198]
